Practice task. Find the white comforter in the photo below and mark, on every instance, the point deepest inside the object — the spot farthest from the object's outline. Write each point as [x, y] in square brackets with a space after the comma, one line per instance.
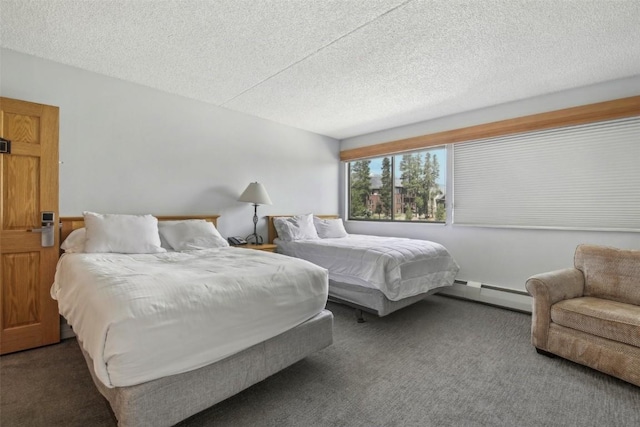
[142, 317]
[398, 267]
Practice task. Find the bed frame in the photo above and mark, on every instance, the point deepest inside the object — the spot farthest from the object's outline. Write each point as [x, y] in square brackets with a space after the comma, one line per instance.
[169, 400]
[362, 299]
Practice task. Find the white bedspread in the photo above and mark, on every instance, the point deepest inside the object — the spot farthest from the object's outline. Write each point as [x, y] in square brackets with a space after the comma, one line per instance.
[398, 267]
[142, 317]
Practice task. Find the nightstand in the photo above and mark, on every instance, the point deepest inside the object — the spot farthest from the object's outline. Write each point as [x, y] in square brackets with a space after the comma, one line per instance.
[267, 247]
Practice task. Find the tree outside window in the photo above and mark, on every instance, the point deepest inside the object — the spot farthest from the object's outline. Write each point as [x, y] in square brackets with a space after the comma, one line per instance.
[404, 187]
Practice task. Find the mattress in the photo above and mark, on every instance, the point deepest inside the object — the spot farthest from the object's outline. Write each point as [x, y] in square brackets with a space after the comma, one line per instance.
[397, 267]
[143, 317]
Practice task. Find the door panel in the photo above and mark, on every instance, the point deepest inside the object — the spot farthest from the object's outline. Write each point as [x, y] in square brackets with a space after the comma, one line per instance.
[20, 293]
[29, 184]
[23, 128]
[22, 212]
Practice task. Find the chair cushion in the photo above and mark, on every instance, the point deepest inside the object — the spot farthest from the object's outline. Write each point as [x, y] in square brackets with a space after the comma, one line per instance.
[614, 320]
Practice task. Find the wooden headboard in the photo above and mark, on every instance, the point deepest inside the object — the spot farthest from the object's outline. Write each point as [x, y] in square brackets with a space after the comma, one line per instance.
[70, 223]
[272, 229]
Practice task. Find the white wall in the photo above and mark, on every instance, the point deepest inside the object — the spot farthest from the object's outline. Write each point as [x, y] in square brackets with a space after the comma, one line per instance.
[496, 256]
[127, 148]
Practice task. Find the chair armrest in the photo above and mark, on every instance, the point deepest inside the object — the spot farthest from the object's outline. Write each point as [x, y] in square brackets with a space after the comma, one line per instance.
[546, 290]
[556, 285]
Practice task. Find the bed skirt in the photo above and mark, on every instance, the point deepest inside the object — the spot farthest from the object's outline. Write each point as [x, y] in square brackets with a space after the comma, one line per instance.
[369, 299]
[169, 400]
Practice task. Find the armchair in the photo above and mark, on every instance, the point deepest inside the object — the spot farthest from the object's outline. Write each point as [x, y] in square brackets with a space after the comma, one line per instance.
[590, 314]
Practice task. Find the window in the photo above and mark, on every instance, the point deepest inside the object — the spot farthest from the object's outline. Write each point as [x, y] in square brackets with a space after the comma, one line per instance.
[574, 168]
[402, 187]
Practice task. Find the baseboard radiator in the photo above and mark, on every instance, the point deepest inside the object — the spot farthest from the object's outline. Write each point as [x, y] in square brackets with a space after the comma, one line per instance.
[65, 329]
[512, 299]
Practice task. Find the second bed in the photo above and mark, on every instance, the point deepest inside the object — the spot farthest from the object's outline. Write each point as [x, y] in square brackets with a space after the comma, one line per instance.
[372, 273]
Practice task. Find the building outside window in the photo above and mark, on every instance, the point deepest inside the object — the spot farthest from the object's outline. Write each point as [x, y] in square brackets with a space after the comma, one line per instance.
[402, 187]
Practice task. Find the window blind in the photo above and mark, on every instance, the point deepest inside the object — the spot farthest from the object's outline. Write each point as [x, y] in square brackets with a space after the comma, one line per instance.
[579, 177]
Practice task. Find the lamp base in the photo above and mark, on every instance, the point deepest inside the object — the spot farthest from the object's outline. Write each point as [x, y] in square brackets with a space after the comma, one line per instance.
[254, 235]
[257, 239]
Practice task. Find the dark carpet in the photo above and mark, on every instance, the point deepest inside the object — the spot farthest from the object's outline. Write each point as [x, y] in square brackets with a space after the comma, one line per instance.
[440, 362]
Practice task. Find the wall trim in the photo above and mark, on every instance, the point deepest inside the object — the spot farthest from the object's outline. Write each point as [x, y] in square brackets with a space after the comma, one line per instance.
[512, 299]
[608, 110]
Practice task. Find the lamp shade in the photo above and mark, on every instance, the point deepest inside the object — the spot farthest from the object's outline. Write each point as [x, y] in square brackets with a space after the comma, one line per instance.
[256, 194]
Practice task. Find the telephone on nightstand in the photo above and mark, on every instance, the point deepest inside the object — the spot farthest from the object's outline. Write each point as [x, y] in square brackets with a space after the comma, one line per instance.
[236, 241]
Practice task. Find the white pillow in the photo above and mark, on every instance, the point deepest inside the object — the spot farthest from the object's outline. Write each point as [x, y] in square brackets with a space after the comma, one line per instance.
[191, 234]
[74, 243]
[126, 234]
[282, 228]
[299, 227]
[329, 228]
[165, 224]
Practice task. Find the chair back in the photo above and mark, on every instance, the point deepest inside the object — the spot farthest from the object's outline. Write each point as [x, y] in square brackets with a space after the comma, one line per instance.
[610, 273]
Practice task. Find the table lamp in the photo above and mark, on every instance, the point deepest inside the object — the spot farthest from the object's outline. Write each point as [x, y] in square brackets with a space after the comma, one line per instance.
[256, 194]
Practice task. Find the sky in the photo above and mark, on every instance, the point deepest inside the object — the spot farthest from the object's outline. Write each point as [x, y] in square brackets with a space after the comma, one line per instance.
[376, 165]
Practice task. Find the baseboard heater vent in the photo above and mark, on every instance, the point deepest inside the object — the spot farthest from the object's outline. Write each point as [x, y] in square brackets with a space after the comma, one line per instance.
[65, 329]
[495, 288]
[512, 299]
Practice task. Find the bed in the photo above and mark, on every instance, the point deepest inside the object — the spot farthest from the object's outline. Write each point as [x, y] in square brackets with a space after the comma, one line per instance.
[370, 273]
[166, 335]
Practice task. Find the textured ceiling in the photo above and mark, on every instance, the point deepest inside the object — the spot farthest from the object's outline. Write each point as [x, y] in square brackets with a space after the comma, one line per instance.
[338, 68]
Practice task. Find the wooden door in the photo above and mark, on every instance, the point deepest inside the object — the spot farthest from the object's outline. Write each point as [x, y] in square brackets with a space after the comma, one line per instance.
[29, 185]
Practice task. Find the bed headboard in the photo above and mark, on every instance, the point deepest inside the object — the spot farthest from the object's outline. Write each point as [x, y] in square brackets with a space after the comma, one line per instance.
[70, 223]
[272, 228]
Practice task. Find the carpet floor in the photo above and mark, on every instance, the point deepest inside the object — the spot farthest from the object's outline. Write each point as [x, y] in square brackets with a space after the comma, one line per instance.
[440, 362]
